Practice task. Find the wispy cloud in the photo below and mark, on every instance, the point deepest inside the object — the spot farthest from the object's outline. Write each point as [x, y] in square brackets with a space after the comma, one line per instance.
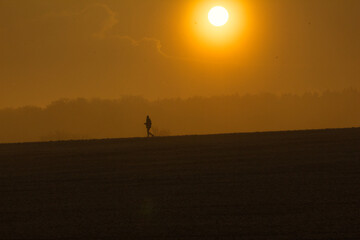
[136, 43]
[112, 21]
[107, 28]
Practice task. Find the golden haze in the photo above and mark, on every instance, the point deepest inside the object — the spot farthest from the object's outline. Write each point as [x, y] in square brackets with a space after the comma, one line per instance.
[168, 49]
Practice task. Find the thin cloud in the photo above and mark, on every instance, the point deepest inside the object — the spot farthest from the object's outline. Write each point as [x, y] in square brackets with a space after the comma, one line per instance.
[108, 25]
[136, 43]
[107, 31]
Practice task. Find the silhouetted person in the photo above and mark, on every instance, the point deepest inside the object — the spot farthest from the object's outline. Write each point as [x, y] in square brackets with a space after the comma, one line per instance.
[148, 126]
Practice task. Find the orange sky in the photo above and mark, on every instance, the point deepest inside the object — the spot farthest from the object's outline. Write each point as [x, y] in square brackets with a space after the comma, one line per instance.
[110, 48]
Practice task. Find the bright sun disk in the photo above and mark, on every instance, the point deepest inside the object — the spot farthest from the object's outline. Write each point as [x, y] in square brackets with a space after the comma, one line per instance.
[218, 16]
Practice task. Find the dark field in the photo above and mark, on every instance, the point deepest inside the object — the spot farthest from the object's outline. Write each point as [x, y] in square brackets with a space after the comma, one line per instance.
[281, 185]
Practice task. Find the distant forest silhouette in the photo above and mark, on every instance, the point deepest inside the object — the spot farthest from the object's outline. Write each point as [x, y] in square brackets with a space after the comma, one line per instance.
[96, 118]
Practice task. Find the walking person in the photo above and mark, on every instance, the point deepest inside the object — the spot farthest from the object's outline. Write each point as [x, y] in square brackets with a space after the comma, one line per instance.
[148, 126]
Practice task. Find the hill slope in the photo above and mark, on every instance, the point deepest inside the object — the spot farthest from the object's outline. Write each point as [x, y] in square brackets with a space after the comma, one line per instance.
[279, 185]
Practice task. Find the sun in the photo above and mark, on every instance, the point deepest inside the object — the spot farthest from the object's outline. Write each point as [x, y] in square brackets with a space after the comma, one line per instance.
[218, 16]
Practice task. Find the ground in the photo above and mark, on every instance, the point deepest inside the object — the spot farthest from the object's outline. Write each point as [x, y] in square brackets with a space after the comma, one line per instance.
[277, 185]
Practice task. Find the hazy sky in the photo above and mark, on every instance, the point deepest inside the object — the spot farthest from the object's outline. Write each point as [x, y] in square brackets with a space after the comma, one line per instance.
[51, 49]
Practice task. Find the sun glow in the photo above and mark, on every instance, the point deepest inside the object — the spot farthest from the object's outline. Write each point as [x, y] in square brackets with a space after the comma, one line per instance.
[215, 28]
[218, 16]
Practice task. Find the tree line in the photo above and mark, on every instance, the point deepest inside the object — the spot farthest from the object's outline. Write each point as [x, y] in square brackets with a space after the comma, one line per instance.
[98, 118]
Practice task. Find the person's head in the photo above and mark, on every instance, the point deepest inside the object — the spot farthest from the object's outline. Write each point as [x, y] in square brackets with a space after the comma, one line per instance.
[147, 117]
